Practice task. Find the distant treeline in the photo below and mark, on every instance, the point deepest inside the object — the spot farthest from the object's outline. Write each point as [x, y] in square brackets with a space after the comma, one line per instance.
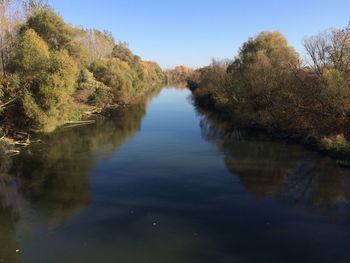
[178, 76]
[52, 72]
[268, 86]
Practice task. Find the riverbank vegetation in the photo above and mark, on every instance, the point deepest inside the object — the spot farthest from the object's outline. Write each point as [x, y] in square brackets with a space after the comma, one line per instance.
[268, 86]
[52, 72]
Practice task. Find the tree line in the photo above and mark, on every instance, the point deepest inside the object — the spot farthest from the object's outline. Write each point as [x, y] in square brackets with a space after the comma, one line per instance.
[178, 76]
[268, 86]
[52, 72]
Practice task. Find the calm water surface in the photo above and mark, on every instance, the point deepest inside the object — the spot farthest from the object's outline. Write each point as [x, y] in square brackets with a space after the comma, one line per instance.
[163, 183]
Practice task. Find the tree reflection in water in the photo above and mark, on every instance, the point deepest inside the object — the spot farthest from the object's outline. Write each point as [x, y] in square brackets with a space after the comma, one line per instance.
[52, 178]
[10, 208]
[279, 170]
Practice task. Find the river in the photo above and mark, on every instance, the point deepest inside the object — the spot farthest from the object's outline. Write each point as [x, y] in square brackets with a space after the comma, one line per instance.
[162, 182]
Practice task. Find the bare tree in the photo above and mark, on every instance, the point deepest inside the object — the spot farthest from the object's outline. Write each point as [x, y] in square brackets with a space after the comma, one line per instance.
[329, 49]
[12, 14]
[98, 44]
[9, 16]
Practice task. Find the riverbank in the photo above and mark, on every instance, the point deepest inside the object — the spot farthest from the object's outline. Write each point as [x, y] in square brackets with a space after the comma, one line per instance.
[59, 74]
[268, 87]
[12, 142]
[337, 148]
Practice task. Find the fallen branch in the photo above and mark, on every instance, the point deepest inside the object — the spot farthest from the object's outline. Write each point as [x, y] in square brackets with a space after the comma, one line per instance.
[80, 122]
[72, 124]
[11, 153]
[7, 103]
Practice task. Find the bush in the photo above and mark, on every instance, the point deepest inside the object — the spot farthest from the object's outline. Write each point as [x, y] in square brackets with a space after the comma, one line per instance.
[115, 75]
[30, 59]
[336, 143]
[102, 96]
[47, 105]
[51, 27]
[152, 74]
[76, 115]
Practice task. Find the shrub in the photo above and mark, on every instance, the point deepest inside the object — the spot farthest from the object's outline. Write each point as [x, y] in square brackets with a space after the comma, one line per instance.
[335, 143]
[102, 96]
[30, 59]
[47, 105]
[51, 27]
[76, 114]
[114, 75]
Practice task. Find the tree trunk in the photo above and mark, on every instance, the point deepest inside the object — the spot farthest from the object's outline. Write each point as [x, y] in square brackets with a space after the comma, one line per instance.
[2, 57]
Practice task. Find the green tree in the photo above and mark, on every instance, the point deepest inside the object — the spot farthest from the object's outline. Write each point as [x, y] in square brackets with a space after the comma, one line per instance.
[47, 80]
[116, 75]
[122, 52]
[30, 59]
[48, 105]
[51, 27]
[263, 72]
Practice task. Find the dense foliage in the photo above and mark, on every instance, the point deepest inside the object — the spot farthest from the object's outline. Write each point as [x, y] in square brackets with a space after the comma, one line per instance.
[51, 71]
[178, 76]
[268, 86]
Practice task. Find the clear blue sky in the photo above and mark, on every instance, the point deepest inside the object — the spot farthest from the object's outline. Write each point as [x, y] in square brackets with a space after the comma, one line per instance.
[192, 32]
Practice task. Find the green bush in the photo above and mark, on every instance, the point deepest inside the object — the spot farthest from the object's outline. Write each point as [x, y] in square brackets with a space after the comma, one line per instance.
[51, 27]
[49, 79]
[31, 57]
[76, 115]
[113, 74]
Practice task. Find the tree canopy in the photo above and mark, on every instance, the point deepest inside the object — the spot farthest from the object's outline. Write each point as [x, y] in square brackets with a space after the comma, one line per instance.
[55, 71]
[268, 86]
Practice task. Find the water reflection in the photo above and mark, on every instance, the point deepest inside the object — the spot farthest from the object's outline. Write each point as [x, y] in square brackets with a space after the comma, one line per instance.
[170, 196]
[279, 170]
[53, 176]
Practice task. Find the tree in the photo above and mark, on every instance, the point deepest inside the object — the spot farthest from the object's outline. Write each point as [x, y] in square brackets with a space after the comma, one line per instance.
[262, 73]
[116, 75]
[52, 28]
[98, 44]
[47, 79]
[122, 52]
[178, 76]
[33, 6]
[30, 58]
[330, 49]
[39, 67]
[329, 62]
[48, 105]
[10, 14]
[153, 74]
